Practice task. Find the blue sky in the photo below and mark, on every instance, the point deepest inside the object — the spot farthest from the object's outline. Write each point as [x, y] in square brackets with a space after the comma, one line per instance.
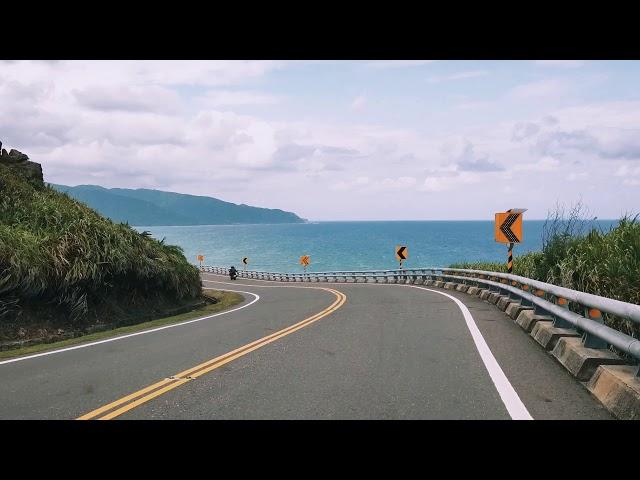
[339, 140]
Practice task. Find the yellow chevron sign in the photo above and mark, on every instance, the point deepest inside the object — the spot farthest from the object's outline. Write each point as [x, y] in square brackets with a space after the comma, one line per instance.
[508, 226]
[402, 253]
[305, 260]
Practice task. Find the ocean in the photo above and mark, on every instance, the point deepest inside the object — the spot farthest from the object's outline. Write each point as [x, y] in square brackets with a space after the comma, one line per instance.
[347, 245]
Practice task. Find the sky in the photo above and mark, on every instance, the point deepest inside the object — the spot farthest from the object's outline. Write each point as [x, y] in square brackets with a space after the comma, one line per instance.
[339, 140]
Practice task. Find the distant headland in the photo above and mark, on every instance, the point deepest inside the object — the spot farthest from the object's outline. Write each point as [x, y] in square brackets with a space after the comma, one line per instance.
[148, 207]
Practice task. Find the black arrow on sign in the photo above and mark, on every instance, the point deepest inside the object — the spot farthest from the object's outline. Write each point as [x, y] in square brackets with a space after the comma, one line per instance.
[244, 260]
[506, 227]
[400, 253]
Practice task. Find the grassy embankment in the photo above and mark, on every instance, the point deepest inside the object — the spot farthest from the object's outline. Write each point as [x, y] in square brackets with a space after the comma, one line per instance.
[225, 300]
[579, 256]
[66, 269]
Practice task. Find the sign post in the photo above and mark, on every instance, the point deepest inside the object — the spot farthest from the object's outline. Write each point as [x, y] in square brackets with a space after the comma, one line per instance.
[508, 229]
[245, 260]
[200, 259]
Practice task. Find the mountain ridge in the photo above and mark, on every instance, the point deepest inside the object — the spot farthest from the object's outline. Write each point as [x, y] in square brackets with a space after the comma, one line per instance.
[150, 207]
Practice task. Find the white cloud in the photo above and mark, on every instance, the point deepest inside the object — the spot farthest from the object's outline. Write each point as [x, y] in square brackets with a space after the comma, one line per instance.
[350, 185]
[399, 183]
[577, 176]
[74, 74]
[545, 164]
[226, 98]
[540, 89]
[398, 63]
[441, 181]
[376, 185]
[626, 170]
[458, 76]
[474, 105]
[560, 63]
[358, 103]
[178, 126]
[149, 98]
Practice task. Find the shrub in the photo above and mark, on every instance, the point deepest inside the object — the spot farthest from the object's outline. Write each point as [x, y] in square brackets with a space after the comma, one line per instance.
[577, 255]
[59, 255]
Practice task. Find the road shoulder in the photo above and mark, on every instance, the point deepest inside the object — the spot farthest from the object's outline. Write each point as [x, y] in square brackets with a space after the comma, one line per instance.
[546, 388]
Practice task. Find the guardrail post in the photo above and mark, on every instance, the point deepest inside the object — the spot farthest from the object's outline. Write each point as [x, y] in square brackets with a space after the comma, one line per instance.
[536, 308]
[526, 302]
[591, 341]
[492, 288]
[559, 322]
[512, 295]
[502, 291]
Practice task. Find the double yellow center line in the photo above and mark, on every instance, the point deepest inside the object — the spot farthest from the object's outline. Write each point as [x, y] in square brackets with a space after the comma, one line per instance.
[117, 408]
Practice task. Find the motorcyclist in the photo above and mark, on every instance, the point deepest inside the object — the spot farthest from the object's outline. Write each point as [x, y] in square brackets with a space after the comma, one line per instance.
[233, 273]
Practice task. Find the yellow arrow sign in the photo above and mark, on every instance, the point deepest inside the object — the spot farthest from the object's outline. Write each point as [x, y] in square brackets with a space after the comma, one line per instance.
[508, 226]
[201, 258]
[245, 260]
[305, 260]
[402, 252]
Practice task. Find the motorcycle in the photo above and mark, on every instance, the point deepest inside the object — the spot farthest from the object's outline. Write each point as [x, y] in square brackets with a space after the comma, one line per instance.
[233, 273]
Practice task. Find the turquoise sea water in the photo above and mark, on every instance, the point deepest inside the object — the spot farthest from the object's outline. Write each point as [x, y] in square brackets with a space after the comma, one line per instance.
[347, 245]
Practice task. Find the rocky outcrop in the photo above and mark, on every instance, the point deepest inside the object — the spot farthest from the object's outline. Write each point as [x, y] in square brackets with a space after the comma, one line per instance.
[20, 163]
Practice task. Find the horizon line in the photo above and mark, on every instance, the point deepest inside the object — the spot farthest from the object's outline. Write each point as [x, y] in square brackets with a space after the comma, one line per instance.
[355, 221]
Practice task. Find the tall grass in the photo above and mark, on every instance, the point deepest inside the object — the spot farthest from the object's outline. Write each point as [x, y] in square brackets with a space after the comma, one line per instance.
[60, 257]
[578, 255]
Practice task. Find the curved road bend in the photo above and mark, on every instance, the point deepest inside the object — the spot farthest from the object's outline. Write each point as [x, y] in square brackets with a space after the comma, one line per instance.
[362, 351]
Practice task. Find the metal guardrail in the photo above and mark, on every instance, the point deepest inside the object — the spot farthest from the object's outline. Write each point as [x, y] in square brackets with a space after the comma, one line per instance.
[543, 297]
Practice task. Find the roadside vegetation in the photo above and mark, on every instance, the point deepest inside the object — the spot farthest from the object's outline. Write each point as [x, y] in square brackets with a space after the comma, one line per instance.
[65, 267]
[577, 254]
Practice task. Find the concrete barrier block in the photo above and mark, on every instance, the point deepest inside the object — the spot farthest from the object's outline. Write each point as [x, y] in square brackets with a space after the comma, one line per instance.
[504, 302]
[462, 287]
[528, 318]
[618, 389]
[580, 360]
[472, 290]
[547, 335]
[495, 297]
[429, 282]
[484, 294]
[514, 309]
[438, 283]
[450, 285]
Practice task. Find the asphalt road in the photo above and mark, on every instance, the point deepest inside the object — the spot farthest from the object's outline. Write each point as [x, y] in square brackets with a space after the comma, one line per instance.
[308, 351]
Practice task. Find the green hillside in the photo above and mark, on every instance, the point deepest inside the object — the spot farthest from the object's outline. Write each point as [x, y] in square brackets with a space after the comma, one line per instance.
[123, 209]
[154, 207]
[64, 264]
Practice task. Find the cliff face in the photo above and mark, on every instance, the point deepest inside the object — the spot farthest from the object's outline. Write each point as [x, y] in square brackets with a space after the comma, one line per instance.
[19, 162]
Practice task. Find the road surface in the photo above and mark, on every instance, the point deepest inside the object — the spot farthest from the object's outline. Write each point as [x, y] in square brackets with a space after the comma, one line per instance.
[308, 351]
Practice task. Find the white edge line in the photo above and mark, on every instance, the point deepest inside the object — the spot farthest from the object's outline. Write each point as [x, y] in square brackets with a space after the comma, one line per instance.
[143, 332]
[508, 395]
